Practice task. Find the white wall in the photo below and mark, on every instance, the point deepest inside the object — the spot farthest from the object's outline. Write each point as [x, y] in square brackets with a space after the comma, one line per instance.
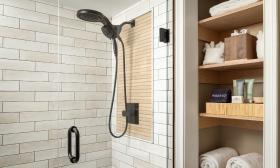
[129, 152]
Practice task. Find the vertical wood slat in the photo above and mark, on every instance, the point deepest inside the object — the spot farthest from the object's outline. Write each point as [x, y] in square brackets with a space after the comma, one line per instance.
[138, 48]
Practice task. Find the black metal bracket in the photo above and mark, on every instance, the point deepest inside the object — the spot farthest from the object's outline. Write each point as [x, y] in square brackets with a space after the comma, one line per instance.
[73, 159]
[132, 113]
[164, 35]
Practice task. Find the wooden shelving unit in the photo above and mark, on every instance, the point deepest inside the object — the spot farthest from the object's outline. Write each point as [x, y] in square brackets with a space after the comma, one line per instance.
[235, 64]
[231, 117]
[248, 15]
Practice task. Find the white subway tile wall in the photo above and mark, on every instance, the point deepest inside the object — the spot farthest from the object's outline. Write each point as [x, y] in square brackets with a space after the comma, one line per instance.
[43, 92]
[129, 152]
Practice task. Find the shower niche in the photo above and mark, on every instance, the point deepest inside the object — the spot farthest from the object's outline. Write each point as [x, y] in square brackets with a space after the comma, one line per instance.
[238, 128]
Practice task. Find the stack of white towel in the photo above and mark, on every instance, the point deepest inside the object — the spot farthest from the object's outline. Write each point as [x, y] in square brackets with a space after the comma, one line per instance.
[228, 158]
[229, 5]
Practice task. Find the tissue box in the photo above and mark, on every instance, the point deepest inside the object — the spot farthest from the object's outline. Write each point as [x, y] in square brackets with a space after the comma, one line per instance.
[240, 47]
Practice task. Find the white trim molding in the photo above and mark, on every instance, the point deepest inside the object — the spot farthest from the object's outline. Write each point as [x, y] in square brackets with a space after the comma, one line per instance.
[271, 83]
[186, 84]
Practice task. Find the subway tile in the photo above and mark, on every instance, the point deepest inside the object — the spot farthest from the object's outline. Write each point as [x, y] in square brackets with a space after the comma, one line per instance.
[98, 54]
[46, 154]
[90, 44]
[26, 14]
[38, 116]
[39, 86]
[93, 27]
[78, 60]
[24, 106]
[102, 129]
[38, 56]
[16, 33]
[101, 38]
[16, 159]
[119, 147]
[138, 154]
[25, 76]
[104, 162]
[122, 157]
[54, 96]
[138, 163]
[65, 22]
[67, 105]
[98, 155]
[158, 161]
[90, 96]
[1, 109]
[77, 87]
[103, 137]
[78, 114]
[67, 50]
[50, 125]
[58, 77]
[50, 67]
[91, 164]
[25, 4]
[25, 45]
[104, 63]
[9, 150]
[16, 128]
[16, 96]
[9, 53]
[17, 65]
[52, 10]
[6, 118]
[41, 164]
[25, 137]
[96, 104]
[93, 147]
[98, 79]
[49, 38]
[38, 27]
[9, 21]
[9, 86]
[90, 70]
[79, 34]
[90, 122]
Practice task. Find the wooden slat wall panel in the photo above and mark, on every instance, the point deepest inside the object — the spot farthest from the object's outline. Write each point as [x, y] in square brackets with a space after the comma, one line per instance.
[138, 48]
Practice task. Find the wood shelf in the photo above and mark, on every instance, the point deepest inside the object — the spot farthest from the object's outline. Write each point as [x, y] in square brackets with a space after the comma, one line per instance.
[248, 15]
[208, 122]
[235, 64]
[231, 117]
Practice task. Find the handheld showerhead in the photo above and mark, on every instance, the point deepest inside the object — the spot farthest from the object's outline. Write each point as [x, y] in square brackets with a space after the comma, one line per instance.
[93, 16]
[112, 32]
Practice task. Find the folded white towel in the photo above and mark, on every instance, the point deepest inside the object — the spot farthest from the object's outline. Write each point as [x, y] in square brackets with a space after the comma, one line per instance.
[217, 158]
[251, 160]
[229, 5]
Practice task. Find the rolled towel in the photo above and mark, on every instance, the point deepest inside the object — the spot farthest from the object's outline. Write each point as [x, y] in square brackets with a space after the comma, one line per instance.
[217, 158]
[229, 6]
[251, 160]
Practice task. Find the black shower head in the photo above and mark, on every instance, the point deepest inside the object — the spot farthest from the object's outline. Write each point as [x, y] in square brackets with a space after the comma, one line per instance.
[93, 16]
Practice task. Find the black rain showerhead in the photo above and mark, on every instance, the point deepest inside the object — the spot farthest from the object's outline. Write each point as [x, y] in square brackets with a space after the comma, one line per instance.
[93, 16]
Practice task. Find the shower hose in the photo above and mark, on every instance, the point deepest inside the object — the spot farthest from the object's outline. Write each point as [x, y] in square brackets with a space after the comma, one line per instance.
[114, 89]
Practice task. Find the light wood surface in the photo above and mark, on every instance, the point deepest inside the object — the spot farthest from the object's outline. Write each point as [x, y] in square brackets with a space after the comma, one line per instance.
[235, 64]
[138, 48]
[207, 121]
[231, 117]
[241, 17]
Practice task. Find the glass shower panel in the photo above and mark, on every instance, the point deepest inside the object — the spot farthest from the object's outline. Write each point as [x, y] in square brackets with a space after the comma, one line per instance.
[86, 75]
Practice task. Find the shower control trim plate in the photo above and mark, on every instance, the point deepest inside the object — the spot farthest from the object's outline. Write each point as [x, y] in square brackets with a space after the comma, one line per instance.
[132, 113]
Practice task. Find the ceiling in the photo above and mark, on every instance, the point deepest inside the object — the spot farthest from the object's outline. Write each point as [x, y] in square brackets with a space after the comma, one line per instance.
[107, 7]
